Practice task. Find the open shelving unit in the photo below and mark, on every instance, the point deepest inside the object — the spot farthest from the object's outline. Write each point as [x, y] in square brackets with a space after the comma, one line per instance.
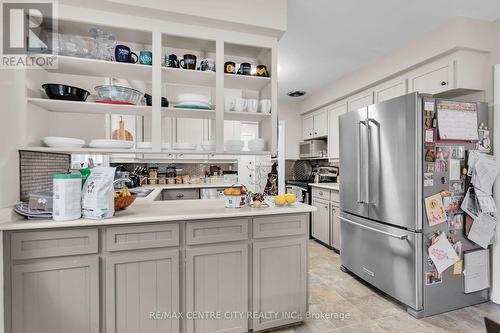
[154, 123]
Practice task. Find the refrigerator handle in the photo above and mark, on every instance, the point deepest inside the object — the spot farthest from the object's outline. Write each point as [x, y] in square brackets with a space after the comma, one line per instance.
[358, 164]
[368, 151]
[400, 237]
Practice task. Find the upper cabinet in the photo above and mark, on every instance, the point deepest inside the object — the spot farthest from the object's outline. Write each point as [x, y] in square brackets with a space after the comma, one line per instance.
[390, 89]
[360, 100]
[433, 78]
[333, 129]
[315, 125]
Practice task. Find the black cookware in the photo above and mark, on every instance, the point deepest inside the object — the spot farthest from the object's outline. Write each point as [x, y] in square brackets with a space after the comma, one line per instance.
[64, 92]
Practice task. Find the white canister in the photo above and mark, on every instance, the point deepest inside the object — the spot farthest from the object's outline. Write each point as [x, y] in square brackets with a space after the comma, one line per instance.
[67, 197]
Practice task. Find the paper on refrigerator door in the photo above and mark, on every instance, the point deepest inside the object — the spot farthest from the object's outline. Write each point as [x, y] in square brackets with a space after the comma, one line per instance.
[476, 270]
[435, 209]
[485, 172]
[442, 254]
[482, 230]
[454, 169]
[457, 120]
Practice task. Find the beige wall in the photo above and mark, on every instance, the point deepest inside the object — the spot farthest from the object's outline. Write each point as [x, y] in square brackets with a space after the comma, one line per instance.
[458, 32]
[289, 113]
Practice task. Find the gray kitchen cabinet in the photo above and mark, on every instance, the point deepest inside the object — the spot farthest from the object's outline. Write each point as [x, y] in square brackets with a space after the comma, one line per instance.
[217, 280]
[360, 100]
[279, 281]
[307, 127]
[315, 125]
[137, 284]
[433, 78]
[335, 227]
[390, 89]
[334, 113]
[321, 220]
[57, 296]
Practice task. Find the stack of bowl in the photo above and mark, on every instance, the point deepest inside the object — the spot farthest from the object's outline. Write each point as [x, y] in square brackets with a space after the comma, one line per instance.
[257, 145]
[233, 145]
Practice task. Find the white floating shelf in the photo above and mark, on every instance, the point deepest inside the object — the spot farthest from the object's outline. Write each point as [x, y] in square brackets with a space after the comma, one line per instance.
[101, 68]
[246, 116]
[54, 105]
[188, 113]
[104, 151]
[245, 82]
[188, 77]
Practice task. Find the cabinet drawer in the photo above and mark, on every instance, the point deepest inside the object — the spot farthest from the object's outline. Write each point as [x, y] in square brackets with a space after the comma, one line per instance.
[335, 196]
[320, 193]
[279, 225]
[54, 243]
[142, 237]
[216, 231]
[188, 194]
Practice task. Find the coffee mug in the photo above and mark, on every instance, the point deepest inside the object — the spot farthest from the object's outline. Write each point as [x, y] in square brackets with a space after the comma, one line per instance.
[123, 54]
[207, 65]
[261, 70]
[252, 105]
[171, 61]
[146, 57]
[229, 103]
[245, 69]
[229, 67]
[188, 61]
[265, 106]
[240, 105]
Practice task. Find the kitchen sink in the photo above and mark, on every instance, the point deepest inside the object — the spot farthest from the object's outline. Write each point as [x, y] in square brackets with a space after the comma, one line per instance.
[141, 192]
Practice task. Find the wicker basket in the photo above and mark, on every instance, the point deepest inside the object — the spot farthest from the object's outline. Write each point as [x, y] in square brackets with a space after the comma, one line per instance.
[124, 202]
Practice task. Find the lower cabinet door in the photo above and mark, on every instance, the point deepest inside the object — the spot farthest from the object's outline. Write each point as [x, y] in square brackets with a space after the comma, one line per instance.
[56, 296]
[142, 291]
[335, 227]
[279, 282]
[217, 281]
[321, 221]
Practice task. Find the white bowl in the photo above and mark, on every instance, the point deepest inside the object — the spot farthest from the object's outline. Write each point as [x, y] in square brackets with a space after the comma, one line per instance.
[61, 142]
[208, 145]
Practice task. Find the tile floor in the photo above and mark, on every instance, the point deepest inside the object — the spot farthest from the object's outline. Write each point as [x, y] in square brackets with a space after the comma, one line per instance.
[333, 291]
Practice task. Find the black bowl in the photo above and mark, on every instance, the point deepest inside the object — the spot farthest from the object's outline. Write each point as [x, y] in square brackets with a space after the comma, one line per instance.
[64, 92]
[149, 100]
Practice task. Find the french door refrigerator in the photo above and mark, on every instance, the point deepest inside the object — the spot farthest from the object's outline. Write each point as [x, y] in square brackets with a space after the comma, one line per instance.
[384, 229]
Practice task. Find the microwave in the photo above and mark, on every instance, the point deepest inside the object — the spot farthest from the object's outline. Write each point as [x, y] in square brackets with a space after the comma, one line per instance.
[312, 149]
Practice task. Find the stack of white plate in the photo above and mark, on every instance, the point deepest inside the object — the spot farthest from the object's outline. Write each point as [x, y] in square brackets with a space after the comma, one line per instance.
[257, 145]
[61, 142]
[149, 145]
[193, 101]
[116, 144]
[233, 145]
[208, 145]
[185, 146]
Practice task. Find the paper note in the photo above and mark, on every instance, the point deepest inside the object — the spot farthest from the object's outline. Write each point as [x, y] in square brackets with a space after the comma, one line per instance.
[454, 169]
[442, 253]
[476, 270]
[457, 267]
[486, 202]
[435, 209]
[457, 121]
[482, 230]
[484, 174]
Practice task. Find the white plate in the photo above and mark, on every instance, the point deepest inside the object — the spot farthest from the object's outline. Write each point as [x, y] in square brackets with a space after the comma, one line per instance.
[61, 142]
[185, 146]
[188, 104]
[149, 145]
[233, 148]
[103, 143]
[193, 98]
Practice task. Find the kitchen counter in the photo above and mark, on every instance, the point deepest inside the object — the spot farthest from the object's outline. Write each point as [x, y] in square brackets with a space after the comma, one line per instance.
[144, 210]
[326, 186]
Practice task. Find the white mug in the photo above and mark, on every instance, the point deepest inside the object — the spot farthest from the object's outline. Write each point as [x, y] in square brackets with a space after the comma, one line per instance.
[229, 103]
[265, 106]
[252, 105]
[240, 105]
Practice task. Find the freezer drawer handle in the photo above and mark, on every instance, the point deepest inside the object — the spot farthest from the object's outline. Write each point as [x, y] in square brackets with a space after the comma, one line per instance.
[401, 237]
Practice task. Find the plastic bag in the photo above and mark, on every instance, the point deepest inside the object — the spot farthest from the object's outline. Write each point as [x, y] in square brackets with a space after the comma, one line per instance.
[98, 194]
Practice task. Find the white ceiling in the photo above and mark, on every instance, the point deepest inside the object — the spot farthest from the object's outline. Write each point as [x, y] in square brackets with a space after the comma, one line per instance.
[327, 39]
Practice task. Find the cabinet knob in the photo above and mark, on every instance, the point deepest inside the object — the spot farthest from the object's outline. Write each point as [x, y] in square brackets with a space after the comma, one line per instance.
[326, 207]
[320, 193]
[443, 83]
[315, 132]
[180, 195]
[310, 134]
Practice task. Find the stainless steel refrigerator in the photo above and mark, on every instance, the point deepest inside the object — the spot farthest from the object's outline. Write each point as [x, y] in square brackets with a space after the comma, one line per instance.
[384, 229]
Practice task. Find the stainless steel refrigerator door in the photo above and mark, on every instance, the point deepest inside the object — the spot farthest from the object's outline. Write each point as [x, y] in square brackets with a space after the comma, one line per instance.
[388, 258]
[353, 160]
[394, 141]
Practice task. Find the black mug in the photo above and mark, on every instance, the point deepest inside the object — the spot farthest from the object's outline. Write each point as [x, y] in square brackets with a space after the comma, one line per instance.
[171, 61]
[123, 54]
[245, 68]
[261, 70]
[188, 62]
[229, 67]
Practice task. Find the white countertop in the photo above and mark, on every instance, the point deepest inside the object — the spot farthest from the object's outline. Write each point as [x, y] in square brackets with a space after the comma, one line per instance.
[143, 211]
[326, 186]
